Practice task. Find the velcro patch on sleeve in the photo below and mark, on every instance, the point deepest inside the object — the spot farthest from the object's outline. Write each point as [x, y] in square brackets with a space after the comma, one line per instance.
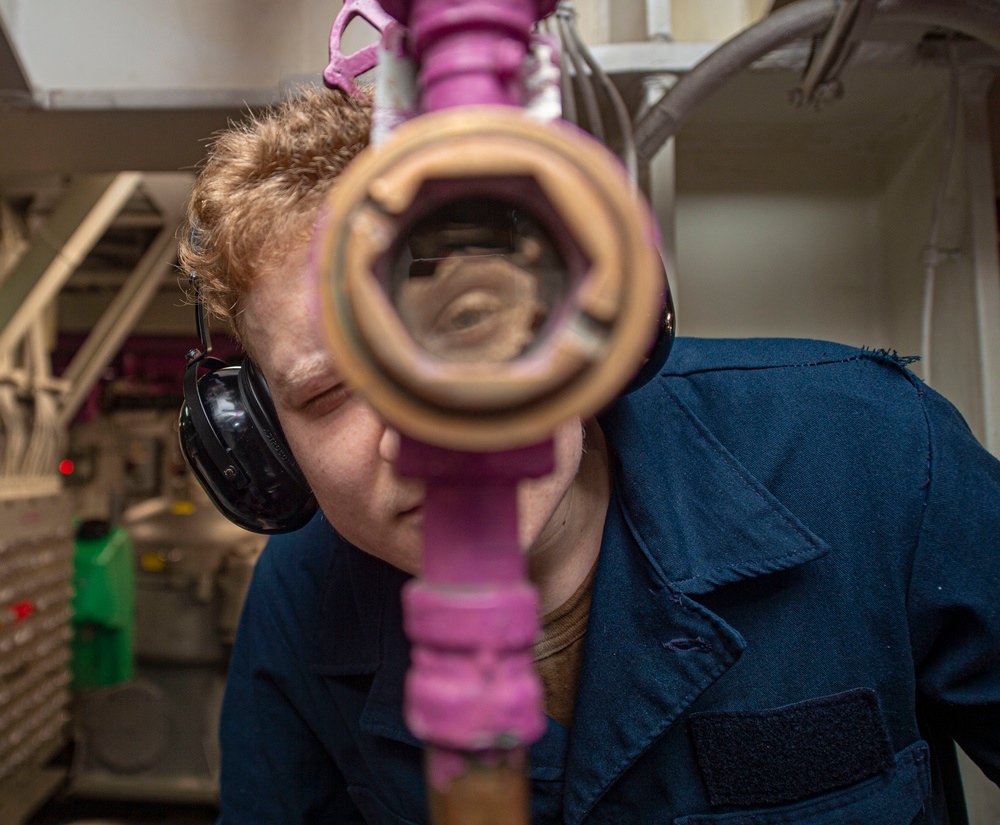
[782, 755]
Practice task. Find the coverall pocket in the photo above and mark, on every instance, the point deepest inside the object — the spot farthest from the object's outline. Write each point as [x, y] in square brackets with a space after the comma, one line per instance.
[895, 797]
[373, 809]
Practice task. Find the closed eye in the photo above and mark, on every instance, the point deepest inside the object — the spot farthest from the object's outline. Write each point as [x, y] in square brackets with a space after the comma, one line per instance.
[326, 401]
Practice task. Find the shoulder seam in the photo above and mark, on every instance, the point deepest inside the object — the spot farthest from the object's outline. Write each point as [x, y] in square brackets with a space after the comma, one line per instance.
[877, 356]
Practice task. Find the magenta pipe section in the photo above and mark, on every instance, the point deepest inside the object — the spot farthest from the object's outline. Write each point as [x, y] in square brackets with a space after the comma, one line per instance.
[470, 52]
[472, 617]
[343, 70]
[470, 509]
[471, 684]
[471, 690]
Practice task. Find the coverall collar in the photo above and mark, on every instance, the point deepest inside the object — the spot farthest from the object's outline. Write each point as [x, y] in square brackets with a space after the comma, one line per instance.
[723, 526]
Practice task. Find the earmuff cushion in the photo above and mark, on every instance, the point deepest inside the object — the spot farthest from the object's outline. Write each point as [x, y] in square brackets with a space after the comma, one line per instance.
[248, 481]
[660, 351]
[260, 407]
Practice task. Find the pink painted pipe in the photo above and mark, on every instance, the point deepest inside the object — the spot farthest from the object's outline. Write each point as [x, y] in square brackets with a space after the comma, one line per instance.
[472, 616]
[471, 52]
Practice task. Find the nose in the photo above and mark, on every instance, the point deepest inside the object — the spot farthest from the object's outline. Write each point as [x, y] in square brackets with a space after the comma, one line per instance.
[388, 445]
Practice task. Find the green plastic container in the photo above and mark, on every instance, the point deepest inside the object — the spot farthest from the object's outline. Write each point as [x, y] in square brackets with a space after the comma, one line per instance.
[103, 607]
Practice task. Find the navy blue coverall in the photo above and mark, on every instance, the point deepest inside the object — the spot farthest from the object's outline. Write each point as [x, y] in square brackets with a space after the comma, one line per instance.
[798, 588]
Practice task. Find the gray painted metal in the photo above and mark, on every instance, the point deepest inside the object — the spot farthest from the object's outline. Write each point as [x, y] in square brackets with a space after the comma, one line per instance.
[14, 86]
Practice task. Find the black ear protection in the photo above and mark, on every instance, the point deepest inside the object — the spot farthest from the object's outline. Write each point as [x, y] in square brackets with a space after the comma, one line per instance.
[232, 440]
[665, 333]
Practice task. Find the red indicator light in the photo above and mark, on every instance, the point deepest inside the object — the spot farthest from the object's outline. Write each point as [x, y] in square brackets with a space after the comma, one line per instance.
[66, 467]
[16, 613]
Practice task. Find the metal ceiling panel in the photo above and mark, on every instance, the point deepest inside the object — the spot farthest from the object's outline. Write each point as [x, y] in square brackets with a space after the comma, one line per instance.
[14, 86]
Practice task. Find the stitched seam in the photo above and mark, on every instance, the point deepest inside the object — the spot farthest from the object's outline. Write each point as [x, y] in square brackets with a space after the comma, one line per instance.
[732, 655]
[637, 535]
[876, 357]
[774, 564]
[685, 703]
[872, 356]
[915, 551]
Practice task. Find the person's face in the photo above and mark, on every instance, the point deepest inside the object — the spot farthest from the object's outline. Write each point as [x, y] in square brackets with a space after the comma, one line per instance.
[344, 449]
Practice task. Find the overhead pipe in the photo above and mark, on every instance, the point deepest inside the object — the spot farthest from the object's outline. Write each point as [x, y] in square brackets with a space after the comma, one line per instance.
[807, 18]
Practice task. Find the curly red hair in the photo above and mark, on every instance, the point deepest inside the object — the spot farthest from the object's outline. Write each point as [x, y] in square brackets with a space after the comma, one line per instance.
[260, 189]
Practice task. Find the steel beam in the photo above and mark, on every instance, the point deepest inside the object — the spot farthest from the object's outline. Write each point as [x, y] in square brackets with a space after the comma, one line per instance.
[14, 85]
[85, 212]
[168, 193]
[117, 321]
